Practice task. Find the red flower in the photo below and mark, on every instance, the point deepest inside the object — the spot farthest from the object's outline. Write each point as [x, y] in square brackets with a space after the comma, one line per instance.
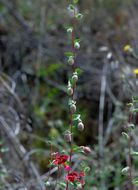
[61, 160]
[75, 176]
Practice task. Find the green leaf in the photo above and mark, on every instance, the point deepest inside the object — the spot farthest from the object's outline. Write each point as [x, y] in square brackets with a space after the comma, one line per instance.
[68, 54]
[76, 116]
[87, 169]
[134, 153]
[4, 150]
[76, 148]
[79, 71]
[129, 104]
[131, 125]
[125, 170]
[75, 1]
[136, 101]
[71, 7]
[69, 27]
[61, 184]
[135, 181]
[77, 40]
[125, 135]
[79, 15]
[135, 110]
[83, 165]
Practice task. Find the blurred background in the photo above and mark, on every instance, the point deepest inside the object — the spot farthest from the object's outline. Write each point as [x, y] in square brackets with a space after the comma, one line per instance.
[33, 82]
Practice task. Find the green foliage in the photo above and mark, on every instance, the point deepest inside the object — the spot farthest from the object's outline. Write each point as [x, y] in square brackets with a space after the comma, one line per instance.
[75, 1]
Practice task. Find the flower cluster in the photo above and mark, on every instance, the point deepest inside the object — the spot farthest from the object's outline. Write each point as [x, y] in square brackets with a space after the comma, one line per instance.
[73, 176]
[61, 160]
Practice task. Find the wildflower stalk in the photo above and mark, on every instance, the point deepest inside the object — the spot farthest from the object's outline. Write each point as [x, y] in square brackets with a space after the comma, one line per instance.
[130, 122]
[71, 144]
[73, 85]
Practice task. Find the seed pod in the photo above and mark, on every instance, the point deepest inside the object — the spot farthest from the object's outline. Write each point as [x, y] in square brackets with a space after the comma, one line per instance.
[73, 108]
[86, 149]
[67, 137]
[77, 45]
[81, 126]
[75, 77]
[71, 60]
[69, 91]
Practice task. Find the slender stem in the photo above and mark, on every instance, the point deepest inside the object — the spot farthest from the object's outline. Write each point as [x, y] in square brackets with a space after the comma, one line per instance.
[57, 178]
[72, 93]
[73, 87]
[130, 149]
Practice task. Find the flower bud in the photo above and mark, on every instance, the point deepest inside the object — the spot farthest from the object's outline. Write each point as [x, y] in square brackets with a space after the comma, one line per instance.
[73, 108]
[79, 186]
[47, 183]
[69, 30]
[71, 60]
[77, 45]
[81, 126]
[67, 137]
[86, 149]
[69, 91]
[75, 77]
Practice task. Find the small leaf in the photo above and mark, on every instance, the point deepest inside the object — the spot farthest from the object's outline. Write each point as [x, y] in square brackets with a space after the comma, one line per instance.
[136, 101]
[135, 181]
[76, 148]
[77, 40]
[71, 7]
[135, 110]
[76, 116]
[134, 153]
[69, 27]
[131, 125]
[4, 150]
[125, 170]
[68, 54]
[83, 165]
[78, 71]
[75, 1]
[87, 169]
[62, 184]
[129, 104]
[125, 135]
[79, 15]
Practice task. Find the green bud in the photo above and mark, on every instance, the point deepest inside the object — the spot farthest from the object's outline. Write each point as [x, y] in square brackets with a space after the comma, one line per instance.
[77, 45]
[69, 91]
[69, 30]
[71, 60]
[75, 77]
[73, 108]
[47, 183]
[80, 126]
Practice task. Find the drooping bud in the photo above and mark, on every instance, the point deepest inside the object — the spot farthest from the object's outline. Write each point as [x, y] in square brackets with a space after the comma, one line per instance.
[67, 137]
[79, 186]
[69, 30]
[80, 126]
[73, 107]
[86, 149]
[69, 91]
[75, 77]
[71, 60]
[47, 183]
[77, 45]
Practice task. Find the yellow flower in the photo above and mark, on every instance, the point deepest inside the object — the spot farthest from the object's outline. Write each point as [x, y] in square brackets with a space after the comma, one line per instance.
[136, 71]
[127, 48]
